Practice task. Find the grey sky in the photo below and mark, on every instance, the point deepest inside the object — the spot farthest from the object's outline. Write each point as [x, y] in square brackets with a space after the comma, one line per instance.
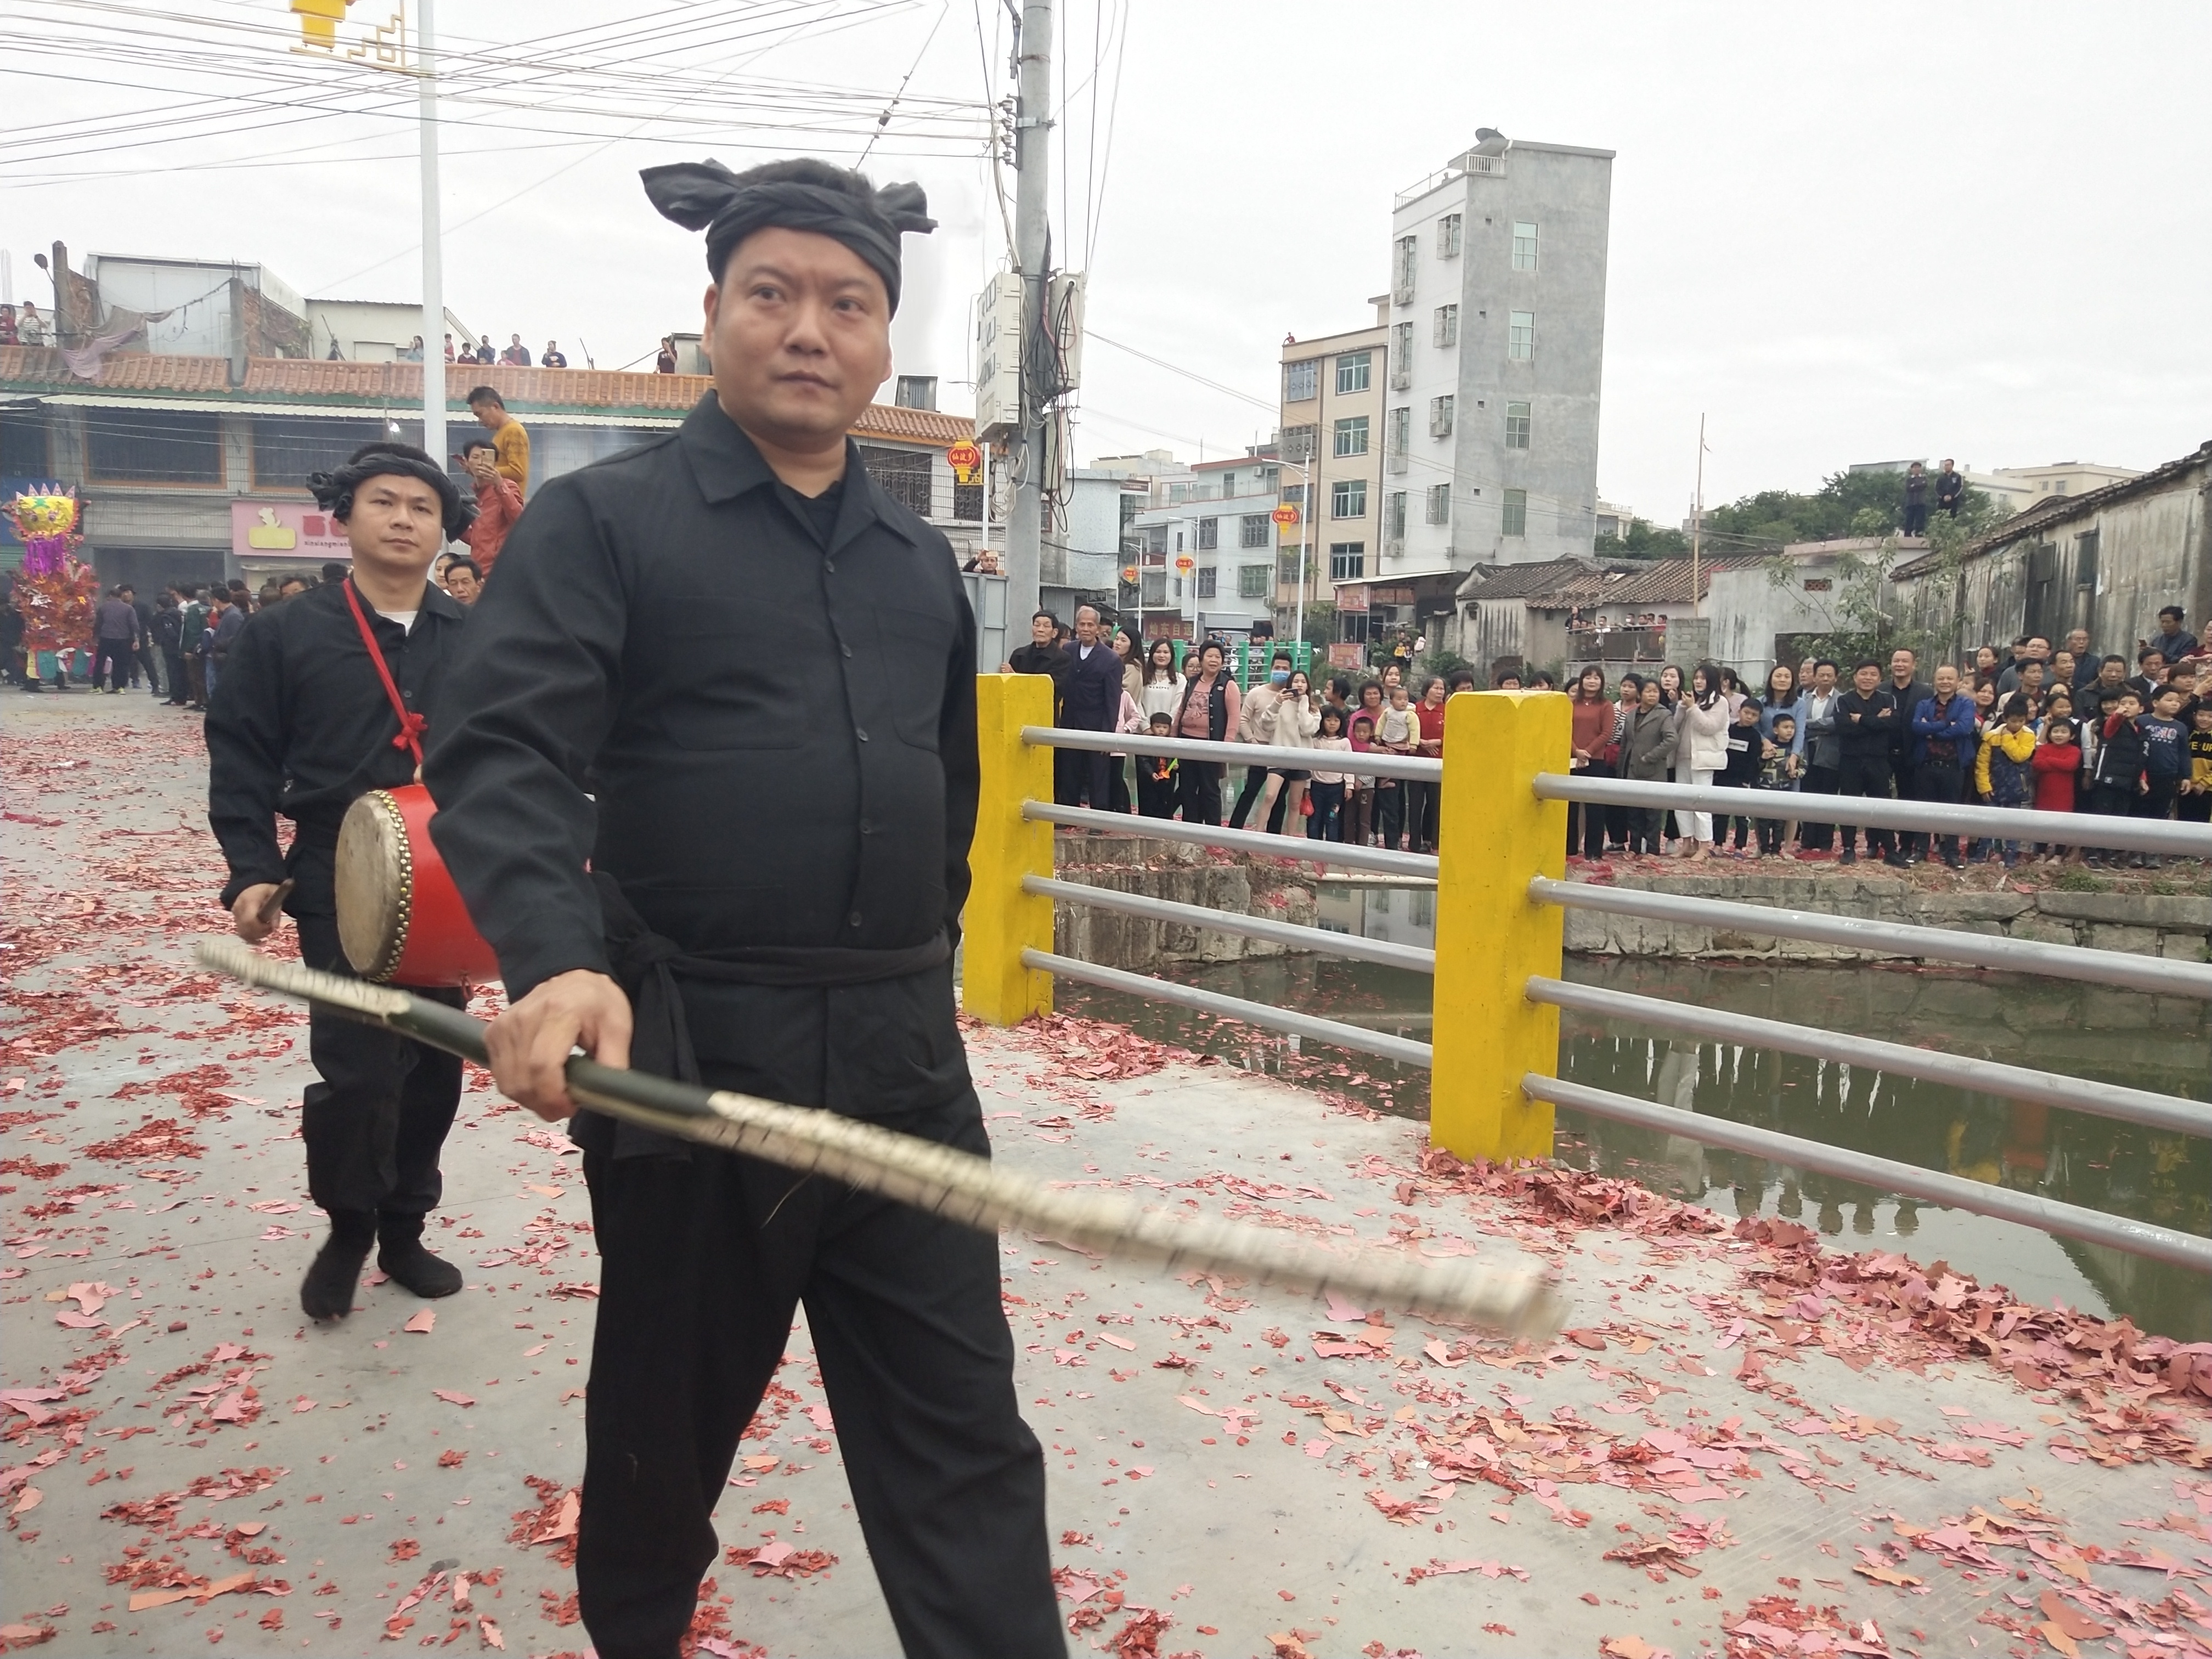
[1975, 230]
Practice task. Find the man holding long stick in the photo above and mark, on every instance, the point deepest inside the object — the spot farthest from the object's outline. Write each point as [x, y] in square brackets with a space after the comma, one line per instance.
[732, 614]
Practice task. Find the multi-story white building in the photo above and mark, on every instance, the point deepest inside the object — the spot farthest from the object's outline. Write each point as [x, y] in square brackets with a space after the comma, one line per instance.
[1332, 442]
[1209, 554]
[1497, 345]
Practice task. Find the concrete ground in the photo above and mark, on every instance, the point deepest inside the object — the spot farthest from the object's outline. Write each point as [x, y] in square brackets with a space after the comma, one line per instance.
[1716, 1456]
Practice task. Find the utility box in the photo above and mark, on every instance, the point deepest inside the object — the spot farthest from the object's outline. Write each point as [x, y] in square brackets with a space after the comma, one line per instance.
[997, 334]
[1064, 322]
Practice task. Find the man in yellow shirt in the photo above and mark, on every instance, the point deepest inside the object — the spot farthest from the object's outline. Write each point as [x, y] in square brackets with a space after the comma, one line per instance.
[510, 442]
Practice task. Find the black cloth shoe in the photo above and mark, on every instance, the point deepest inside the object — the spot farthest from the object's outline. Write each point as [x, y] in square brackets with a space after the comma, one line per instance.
[1849, 856]
[1898, 861]
[399, 1253]
[327, 1292]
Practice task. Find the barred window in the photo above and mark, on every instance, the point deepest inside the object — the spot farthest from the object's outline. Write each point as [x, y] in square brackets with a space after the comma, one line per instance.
[901, 474]
[1252, 580]
[1208, 576]
[1300, 380]
[286, 451]
[1252, 529]
[967, 502]
[1209, 534]
[23, 446]
[1439, 503]
[153, 447]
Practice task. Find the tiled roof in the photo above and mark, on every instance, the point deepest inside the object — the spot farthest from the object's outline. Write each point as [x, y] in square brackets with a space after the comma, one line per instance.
[2062, 509]
[1667, 582]
[121, 372]
[526, 390]
[1520, 581]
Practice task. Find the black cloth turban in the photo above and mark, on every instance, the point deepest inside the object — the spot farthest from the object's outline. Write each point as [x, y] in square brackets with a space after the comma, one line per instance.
[707, 195]
[334, 491]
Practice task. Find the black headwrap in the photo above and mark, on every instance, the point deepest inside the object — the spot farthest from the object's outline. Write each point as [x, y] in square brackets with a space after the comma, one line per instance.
[801, 195]
[334, 491]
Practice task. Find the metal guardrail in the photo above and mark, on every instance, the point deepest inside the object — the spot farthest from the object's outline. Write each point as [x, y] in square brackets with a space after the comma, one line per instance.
[1409, 956]
[1372, 764]
[2152, 974]
[1990, 1077]
[2152, 836]
[1498, 993]
[1404, 1050]
[1907, 1180]
[1343, 854]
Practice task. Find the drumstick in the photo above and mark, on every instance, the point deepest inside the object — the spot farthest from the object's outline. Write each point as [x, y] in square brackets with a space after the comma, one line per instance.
[942, 1180]
[272, 907]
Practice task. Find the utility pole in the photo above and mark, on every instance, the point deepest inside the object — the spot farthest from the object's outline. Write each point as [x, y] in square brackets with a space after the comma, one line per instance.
[1032, 246]
[434, 276]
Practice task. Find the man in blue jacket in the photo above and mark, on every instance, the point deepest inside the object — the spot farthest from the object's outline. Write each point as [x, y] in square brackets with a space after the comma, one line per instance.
[1091, 702]
[1943, 732]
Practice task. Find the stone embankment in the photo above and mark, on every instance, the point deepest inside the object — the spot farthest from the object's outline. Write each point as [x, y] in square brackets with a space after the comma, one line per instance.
[1188, 875]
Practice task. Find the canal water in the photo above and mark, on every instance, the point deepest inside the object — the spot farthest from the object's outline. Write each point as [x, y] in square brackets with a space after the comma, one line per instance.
[2158, 1043]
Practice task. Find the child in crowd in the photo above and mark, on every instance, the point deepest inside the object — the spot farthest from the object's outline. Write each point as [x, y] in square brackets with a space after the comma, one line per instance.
[1326, 796]
[1781, 772]
[1364, 809]
[1398, 732]
[2003, 772]
[1746, 755]
[2119, 777]
[2056, 763]
[2195, 803]
[2166, 760]
[1157, 785]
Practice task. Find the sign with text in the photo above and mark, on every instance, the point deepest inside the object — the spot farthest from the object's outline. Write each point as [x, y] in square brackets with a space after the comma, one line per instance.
[268, 531]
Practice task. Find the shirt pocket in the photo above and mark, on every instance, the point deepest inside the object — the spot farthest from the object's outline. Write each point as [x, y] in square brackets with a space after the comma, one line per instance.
[914, 643]
[720, 676]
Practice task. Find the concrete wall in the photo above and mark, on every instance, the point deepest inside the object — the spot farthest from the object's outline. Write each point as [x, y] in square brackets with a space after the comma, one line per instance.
[1187, 875]
[1748, 608]
[2141, 924]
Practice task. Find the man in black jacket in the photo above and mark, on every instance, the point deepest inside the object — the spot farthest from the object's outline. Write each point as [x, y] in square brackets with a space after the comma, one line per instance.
[1908, 691]
[300, 722]
[1866, 727]
[168, 635]
[1091, 701]
[732, 614]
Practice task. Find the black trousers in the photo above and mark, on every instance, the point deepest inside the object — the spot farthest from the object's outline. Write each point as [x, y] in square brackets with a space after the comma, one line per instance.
[1390, 809]
[376, 1122]
[1866, 774]
[704, 1261]
[1812, 837]
[1078, 772]
[1421, 800]
[111, 659]
[172, 667]
[1156, 796]
[1586, 825]
[1944, 783]
[1256, 780]
[1201, 791]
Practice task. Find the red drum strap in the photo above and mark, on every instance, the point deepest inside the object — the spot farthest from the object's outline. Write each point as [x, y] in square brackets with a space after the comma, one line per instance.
[411, 723]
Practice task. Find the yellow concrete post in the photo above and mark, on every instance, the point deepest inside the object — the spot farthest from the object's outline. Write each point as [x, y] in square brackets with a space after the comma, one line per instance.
[1001, 921]
[1493, 836]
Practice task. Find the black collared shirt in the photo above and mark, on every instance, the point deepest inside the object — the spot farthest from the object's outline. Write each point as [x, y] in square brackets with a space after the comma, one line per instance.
[299, 724]
[778, 733]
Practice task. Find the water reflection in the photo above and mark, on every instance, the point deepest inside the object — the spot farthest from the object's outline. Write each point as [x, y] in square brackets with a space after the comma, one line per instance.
[2158, 1043]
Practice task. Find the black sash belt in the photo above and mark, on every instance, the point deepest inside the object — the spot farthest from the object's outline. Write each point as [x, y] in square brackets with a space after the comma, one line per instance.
[647, 964]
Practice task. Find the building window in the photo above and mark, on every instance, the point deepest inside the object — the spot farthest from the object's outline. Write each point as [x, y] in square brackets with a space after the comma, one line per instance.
[1252, 580]
[1286, 569]
[1353, 370]
[150, 446]
[1207, 579]
[1298, 442]
[1351, 435]
[286, 451]
[1154, 585]
[1446, 331]
[1516, 425]
[1252, 529]
[1516, 513]
[1402, 278]
[1440, 415]
[1348, 561]
[1402, 356]
[1347, 499]
[23, 446]
[1209, 534]
[1156, 539]
[1400, 436]
[1521, 335]
[1393, 516]
[1295, 493]
[1448, 232]
[1300, 380]
[1524, 246]
[968, 503]
[901, 474]
[1439, 503]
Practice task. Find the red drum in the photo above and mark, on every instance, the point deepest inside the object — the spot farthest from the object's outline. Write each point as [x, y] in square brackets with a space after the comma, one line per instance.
[401, 921]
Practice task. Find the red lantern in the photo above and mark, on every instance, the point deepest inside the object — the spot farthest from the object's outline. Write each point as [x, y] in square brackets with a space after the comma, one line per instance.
[1129, 574]
[1185, 565]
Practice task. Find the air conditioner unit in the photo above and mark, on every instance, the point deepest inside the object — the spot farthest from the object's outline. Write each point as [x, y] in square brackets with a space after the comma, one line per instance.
[998, 335]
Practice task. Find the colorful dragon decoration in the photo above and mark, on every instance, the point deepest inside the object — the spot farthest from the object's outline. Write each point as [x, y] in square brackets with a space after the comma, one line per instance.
[54, 593]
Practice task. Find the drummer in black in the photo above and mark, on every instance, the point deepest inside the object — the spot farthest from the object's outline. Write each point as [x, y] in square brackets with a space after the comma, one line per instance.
[734, 677]
[323, 698]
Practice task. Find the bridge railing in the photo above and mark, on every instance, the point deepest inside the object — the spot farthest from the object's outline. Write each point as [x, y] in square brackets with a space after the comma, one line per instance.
[1497, 964]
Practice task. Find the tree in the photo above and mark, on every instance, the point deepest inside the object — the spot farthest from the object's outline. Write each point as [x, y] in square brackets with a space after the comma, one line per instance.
[1847, 504]
[1643, 540]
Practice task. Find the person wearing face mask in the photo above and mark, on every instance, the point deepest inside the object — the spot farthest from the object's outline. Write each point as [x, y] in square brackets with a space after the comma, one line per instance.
[1256, 724]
